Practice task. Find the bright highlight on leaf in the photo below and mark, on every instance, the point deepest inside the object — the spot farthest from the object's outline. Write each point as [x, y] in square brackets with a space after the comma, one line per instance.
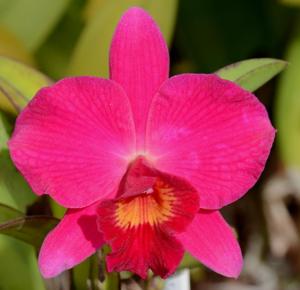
[143, 162]
[253, 73]
[18, 84]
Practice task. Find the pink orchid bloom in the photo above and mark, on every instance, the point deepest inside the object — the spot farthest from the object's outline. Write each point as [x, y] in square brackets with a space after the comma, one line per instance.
[143, 162]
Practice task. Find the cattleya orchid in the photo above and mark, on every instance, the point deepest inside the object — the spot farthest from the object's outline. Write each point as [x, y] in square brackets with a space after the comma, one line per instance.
[143, 162]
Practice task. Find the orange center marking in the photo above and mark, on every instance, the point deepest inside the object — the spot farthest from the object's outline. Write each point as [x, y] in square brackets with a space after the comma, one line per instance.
[152, 208]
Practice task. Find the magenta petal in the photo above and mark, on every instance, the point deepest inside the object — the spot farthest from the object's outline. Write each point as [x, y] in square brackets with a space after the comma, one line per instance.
[210, 240]
[74, 239]
[212, 132]
[139, 61]
[74, 139]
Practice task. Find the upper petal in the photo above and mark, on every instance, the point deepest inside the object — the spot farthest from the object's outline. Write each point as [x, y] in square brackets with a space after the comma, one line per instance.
[210, 131]
[139, 61]
[73, 140]
[209, 239]
[74, 239]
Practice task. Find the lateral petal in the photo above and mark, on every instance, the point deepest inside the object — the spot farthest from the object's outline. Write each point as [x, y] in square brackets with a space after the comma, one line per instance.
[211, 132]
[74, 239]
[73, 140]
[210, 240]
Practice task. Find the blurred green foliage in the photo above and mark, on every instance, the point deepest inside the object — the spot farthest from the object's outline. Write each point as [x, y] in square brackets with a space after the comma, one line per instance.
[95, 38]
[287, 109]
[30, 20]
[18, 267]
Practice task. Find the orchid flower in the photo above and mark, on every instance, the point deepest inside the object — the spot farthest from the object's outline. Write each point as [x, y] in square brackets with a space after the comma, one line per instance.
[143, 162]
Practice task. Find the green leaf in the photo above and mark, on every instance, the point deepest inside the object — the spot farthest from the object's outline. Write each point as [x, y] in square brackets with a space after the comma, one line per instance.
[26, 79]
[3, 132]
[20, 259]
[11, 100]
[18, 84]
[17, 258]
[253, 73]
[8, 213]
[91, 52]
[287, 107]
[30, 20]
[14, 191]
[29, 229]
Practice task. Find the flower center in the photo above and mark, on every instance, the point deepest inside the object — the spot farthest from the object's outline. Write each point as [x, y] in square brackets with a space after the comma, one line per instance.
[154, 206]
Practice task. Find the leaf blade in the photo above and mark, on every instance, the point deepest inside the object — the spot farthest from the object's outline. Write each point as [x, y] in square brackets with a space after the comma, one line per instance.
[29, 229]
[11, 182]
[253, 73]
[8, 212]
[18, 84]
[4, 136]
